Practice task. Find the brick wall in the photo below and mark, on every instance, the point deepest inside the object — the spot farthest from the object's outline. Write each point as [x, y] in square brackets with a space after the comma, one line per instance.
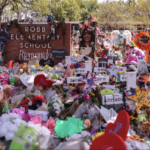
[12, 48]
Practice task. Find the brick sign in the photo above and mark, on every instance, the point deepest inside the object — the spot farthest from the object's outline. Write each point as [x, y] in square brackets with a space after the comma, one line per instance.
[19, 47]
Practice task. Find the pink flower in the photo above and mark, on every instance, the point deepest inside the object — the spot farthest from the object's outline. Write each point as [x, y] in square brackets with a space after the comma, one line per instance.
[50, 124]
[86, 97]
[36, 120]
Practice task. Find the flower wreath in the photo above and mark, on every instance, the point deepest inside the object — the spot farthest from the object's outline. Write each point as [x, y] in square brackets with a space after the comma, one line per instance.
[139, 43]
[117, 41]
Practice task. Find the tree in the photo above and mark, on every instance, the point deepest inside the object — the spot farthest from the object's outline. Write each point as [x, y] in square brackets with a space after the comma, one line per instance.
[64, 9]
[12, 4]
[87, 7]
[41, 7]
[113, 15]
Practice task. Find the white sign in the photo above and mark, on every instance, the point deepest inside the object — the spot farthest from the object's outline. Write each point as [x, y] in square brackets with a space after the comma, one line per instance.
[131, 80]
[72, 80]
[88, 66]
[99, 69]
[68, 60]
[58, 71]
[101, 79]
[123, 77]
[112, 99]
[109, 86]
[2, 68]
[80, 71]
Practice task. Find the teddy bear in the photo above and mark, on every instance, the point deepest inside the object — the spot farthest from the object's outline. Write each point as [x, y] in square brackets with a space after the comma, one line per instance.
[133, 55]
[23, 67]
[3, 96]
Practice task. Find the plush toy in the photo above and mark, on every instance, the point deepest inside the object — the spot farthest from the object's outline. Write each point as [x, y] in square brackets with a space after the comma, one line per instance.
[114, 33]
[24, 67]
[128, 35]
[133, 55]
[8, 90]
[2, 95]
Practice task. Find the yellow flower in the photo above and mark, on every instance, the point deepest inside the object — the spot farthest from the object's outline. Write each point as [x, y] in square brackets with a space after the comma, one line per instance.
[92, 94]
[45, 66]
[97, 135]
[37, 65]
[134, 118]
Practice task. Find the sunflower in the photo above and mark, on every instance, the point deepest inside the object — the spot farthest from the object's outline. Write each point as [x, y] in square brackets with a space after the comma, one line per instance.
[91, 96]
[135, 116]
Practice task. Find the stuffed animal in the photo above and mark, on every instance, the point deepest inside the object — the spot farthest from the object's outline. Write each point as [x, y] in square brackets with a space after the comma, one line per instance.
[2, 94]
[8, 90]
[23, 67]
[114, 33]
[133, 55]
[128, 35]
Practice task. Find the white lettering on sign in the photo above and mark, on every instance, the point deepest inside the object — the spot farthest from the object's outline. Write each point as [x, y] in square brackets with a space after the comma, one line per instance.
[33, 37]
[123, 77]
[58, 71]
[27, 56]
[99, 69]
[72, 80]
[101, 79]
[80, 71]
[112, 99]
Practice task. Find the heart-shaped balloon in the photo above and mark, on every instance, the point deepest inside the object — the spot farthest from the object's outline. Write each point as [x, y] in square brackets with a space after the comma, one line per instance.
[40, 80]
[90, 81]
[121, 125]
[108, 142]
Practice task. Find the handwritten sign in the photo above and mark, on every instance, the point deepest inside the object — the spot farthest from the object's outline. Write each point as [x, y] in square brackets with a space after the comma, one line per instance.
[80, 71]
[2, 68]
[48, 62]
[101, 79]
[123, 77]
[58, 53]
[73, 80]
[58, 71]
[112, 99]
[99, 69]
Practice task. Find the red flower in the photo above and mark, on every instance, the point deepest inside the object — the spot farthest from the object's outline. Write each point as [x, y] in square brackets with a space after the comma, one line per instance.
[97, 95]
[24, 102]
[36, 98]
[84, 26]
[25, 106]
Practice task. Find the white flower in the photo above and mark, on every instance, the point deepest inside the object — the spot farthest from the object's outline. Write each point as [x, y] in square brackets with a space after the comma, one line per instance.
[12, 127]
[9, 136]
[13, 116]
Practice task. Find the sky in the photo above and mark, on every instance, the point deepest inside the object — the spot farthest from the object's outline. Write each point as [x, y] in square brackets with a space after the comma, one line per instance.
[100, 1]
